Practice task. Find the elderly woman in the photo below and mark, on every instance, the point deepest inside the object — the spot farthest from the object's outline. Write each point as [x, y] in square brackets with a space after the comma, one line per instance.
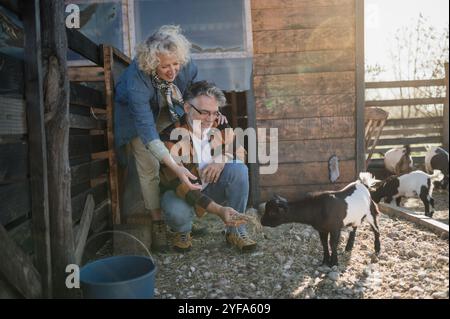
[149, 97]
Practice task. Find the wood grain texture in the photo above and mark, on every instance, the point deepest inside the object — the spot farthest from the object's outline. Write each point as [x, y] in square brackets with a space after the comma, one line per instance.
[304, 17]
[304, 62]
[12, 116]
[315, 150]
[304, 84]
[305, 106]
[13, 162]
[17, 267]
[325, 38]
[276, 4]
[296, 192]
[311, 128]
[307, 173]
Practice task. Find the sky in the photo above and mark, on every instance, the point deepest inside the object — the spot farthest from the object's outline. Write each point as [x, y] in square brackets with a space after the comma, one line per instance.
[384, 17]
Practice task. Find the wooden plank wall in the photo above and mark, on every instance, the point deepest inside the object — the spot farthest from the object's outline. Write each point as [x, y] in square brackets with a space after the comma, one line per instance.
[87, 139]
[304, 85]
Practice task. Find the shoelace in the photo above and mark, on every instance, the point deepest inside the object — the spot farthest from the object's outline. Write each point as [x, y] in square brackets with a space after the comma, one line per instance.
[184, 237]
[242, 233]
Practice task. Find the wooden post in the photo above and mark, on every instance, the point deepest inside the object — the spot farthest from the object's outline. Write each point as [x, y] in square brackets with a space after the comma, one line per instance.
[234, 111]
[446, 114]
[17, 267]
[113, 171]
[360, 86]
[253, 168]
[56, 101]
[85, 225]
[36, 141]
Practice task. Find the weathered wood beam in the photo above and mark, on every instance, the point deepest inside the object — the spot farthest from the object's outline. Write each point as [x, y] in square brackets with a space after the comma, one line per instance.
[86, 96]
[86, 73]
[437, 120]
[86, 123]
[17, 268]
[14, 201]
[11, 73]
[417, 218]
[404, 84]
[401, 102]
[13, 162]
[34, 97]
[12, 116]
[82, 45]
[411, 140]
[99, 193]
[359, 86]
[86, 144]
[83, 231]
[56, 87]
[446, 112]
[87, 171]
[109, 92]
[253, 168]
[12, 5]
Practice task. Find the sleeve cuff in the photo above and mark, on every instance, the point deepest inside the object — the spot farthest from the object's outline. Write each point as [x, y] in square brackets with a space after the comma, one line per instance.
[158, 149]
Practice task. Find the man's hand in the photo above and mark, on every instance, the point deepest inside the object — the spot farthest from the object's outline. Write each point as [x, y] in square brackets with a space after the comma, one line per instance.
[222, 119]
[226, 214]
[184, 175]
[212, 172]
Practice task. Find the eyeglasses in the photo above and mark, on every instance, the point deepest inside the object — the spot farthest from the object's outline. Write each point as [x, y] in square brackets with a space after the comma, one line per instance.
[205, 113]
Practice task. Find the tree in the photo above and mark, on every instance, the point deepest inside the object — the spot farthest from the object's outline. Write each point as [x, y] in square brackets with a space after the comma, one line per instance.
[417, 53]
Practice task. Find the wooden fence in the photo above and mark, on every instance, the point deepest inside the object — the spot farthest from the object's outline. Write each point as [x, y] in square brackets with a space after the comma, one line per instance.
[415, 131]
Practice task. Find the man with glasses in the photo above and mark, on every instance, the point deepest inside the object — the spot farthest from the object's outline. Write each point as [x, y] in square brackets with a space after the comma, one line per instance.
[206, 150]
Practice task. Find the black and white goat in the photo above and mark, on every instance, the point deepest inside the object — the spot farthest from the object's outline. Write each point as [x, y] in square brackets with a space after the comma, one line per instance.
[413, 184]
[398, 160]
[437, 158]
[328, 213]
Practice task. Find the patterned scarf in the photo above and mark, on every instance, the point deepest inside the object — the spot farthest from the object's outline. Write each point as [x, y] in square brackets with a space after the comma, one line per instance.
[172, 94]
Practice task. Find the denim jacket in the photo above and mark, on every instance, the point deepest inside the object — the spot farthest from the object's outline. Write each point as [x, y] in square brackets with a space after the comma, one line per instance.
[136, 107]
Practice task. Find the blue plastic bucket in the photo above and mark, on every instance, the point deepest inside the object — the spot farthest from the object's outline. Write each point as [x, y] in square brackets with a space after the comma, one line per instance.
[119, 277]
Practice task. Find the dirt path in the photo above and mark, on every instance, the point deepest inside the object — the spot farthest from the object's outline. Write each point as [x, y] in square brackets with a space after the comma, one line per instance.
[414, 263]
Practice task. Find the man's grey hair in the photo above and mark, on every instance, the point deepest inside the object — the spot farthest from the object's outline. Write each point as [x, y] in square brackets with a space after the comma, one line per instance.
[207, 89]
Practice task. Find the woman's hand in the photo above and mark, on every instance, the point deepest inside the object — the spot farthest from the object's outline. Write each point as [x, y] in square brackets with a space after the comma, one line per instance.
[184, 175]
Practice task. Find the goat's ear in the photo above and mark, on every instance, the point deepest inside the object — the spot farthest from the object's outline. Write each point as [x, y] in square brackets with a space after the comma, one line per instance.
[277, 197]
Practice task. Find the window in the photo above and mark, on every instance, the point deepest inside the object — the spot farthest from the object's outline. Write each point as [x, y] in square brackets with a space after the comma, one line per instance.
[220, 33]
[101, 22]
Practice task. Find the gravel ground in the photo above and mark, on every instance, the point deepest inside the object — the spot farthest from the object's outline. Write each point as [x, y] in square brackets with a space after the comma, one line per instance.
[440, 205]
[413, 263]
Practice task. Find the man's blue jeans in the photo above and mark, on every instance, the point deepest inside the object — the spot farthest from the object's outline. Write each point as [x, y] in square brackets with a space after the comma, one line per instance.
[230, 190]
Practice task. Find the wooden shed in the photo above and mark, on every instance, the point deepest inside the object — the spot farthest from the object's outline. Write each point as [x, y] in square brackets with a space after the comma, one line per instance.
[308, 77]
[295, 65]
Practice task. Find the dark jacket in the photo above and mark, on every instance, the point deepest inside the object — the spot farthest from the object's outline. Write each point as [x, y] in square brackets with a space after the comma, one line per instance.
[169, 181]
[137, 106]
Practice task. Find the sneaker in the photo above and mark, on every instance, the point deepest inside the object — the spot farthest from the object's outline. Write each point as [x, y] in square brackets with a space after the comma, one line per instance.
[241, 240]
[159, 236]
[182, 241]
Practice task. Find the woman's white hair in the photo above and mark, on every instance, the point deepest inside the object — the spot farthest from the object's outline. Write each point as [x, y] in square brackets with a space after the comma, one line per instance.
[167, 40]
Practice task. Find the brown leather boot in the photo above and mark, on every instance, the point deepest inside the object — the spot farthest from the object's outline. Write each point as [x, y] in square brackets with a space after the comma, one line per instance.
[241, 241]
[159, 236]
[182, 242]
